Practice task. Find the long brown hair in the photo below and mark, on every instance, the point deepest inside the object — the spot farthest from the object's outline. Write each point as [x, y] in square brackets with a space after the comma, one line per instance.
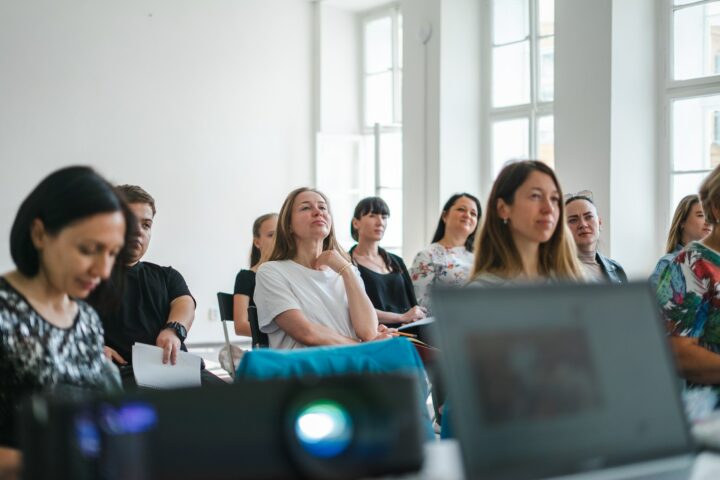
[495, 250]
[285, 247]
[682, 211]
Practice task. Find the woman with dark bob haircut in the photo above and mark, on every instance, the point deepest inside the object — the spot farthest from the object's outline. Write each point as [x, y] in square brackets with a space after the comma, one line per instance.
[386, 279]
[448, 260]
[67, 239]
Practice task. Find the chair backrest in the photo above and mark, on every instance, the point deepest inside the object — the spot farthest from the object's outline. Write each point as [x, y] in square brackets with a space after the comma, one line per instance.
[225, 305]
[259, 339]
[396, 355]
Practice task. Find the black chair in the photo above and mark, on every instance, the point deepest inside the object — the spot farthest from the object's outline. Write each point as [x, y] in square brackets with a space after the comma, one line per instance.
[259, 339]
[225, 305]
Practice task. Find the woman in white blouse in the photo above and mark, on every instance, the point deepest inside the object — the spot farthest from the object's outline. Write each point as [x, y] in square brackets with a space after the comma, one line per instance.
[449, 258]
[308, 292]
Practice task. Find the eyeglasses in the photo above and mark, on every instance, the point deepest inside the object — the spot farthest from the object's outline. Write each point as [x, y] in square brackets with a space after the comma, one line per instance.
[582, 195]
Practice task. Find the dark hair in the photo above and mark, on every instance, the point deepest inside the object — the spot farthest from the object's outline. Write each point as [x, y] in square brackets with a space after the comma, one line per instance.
[440, 230]
[254, 251]
[66, 196]
[366, 206]
[135, 194]
[377, 206]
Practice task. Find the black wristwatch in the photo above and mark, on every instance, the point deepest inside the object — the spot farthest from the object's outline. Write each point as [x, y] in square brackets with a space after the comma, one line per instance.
[179, 330]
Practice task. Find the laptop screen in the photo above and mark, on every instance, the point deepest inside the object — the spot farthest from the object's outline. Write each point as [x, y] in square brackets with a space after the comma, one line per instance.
[552, 380]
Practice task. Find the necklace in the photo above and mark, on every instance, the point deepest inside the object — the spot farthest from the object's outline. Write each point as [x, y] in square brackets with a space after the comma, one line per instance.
[380, 265]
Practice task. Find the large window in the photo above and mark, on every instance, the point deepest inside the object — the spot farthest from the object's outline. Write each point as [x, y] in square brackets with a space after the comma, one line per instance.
[521, 53]
[382, 112]
[366, 158]
[692, 93]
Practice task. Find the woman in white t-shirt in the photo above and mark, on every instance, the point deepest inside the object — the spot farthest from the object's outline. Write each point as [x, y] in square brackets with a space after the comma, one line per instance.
[308, 292]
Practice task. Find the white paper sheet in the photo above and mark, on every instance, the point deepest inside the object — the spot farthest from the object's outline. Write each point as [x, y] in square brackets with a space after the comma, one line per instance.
[424, 321]
[151, 372]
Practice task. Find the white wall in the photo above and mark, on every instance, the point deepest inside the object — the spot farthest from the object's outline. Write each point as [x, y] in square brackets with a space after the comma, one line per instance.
[198, 102]
[605, 120]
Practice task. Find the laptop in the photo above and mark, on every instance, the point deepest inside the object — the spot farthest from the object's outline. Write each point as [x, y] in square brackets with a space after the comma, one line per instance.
[561, 381]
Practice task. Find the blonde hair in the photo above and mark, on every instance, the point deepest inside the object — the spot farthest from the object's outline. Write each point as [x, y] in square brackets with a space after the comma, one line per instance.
[710, 195]
[682, 211]
[285, 247]
[495, 250]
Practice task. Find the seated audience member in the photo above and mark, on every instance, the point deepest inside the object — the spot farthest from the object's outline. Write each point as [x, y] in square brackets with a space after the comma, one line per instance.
[448, 259]
[524, 237]
[688, 296]
[387, 281]
[263, 236]
[688, 225]
[584, 222]
[64, 241]
[156, 308]
[308, 292]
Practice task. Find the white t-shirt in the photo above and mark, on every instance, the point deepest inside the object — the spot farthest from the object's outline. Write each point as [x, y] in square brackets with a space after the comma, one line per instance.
[320, 294]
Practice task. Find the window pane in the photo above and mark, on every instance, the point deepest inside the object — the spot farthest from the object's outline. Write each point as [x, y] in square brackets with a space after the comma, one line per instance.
[511, 21]
[510, 141]
[398, 97]
[378, 45]
[685, 2]
[696, 133]
[546, 140]
[546, 88]
[400, 41]
[685, 184]
[344, 174]
[393, 232]
[696, 47]
[546, 17]
[391, 160]
[379, 99]
[511, 75]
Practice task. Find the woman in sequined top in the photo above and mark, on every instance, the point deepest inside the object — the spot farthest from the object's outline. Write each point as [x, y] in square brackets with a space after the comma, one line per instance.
[65, 240]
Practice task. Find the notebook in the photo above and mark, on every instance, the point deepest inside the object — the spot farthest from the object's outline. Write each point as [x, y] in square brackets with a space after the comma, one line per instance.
[561, 381]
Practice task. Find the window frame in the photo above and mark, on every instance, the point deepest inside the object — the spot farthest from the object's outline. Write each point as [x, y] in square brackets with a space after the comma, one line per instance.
[533, 110]
[392, 10]
[672, 90]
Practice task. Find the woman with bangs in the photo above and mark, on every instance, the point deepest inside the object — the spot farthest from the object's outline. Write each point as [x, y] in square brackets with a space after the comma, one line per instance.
[524, 237]
[308, 292]
[387, 281]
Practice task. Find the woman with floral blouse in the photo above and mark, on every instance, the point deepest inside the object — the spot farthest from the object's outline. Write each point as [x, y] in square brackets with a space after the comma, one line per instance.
[449, 258]
[689, 296]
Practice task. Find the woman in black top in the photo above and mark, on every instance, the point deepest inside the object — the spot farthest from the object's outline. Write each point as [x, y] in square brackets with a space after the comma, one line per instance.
[386, 278]
[65, 240]
[263, 237]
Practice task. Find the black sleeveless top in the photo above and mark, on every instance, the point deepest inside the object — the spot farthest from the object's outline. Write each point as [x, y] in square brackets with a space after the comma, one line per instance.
[389, 292]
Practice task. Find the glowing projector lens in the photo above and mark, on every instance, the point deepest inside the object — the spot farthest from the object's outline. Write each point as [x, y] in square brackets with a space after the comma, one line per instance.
[324, 429]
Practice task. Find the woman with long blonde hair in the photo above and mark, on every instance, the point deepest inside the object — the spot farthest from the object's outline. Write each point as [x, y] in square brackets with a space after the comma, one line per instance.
[309, 292]
[688, 225]
[524, 236]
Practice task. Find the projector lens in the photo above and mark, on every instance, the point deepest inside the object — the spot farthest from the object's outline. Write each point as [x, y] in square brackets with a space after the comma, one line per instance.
[324, 429]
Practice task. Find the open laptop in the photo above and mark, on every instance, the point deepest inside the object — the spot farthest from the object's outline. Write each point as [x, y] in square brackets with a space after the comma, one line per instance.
[567, 381]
